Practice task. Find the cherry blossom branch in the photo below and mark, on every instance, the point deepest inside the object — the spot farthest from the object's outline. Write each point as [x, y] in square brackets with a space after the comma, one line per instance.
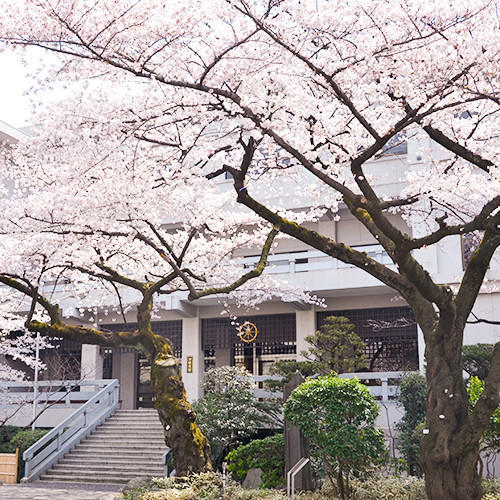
[254, 273]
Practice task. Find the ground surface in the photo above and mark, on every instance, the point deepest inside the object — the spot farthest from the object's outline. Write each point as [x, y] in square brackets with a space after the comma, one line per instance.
[59, 491]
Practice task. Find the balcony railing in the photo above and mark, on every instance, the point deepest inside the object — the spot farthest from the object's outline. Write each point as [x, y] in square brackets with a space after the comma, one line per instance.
[313, 260]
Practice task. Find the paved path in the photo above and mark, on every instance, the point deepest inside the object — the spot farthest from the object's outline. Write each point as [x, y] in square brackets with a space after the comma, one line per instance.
[53, 491]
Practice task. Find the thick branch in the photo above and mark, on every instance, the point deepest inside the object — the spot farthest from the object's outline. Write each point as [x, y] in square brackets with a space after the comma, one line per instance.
[474, 275]
[477, 223]
[254, 273]
[327, 246]
[458, 149]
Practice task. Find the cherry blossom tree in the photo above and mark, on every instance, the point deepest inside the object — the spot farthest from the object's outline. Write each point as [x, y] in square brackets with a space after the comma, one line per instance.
[16, 343]
[92, 221]
[294, 97]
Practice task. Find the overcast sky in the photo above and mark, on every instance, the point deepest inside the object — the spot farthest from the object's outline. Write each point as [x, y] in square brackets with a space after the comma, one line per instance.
[14, 106]
[15, 82]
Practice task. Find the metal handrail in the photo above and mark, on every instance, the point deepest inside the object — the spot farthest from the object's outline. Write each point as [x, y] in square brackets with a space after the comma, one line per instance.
[50, 448]
[290, 477]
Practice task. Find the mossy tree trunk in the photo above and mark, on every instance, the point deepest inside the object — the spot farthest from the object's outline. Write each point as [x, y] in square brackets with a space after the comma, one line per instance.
[190, 448]
[450, 443]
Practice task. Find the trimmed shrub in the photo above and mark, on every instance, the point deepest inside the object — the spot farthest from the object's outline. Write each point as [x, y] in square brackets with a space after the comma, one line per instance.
[338, 415]
[392, 488]
[267, 454]
[209, 486]
[476, 359]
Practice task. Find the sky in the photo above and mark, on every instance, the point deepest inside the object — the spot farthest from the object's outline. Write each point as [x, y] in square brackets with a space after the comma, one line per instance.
[15, 82]
[14, 106]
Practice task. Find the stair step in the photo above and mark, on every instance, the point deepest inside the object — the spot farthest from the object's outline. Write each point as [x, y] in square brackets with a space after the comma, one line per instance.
[132, 453]
[90, 474]
[125, 449]
[116, 440]
[135, 430]
[101, 468]
[79, 479]
[135, 425]
[118, 445]
[89, 461]
[129, 444]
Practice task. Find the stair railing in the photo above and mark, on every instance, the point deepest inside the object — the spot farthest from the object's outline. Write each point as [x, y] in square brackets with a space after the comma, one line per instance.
[55, 444]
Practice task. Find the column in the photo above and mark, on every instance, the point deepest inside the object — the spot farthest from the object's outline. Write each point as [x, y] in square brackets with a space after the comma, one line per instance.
[91, 364]
[305, 325]
[192, 353]
[128, 379]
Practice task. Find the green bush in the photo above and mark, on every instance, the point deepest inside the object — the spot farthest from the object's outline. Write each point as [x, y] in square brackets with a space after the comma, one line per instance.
[389, 488]
[338, 415]
[411, 396]
[267, 454]
[7, 432]
[336, 347]
[23, 440]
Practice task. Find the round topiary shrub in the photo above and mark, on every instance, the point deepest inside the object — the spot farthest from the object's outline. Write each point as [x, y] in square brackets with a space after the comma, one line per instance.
[338, 416]
[267, 454]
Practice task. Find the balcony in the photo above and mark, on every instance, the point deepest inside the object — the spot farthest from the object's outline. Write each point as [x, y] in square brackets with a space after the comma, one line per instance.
[312, 260]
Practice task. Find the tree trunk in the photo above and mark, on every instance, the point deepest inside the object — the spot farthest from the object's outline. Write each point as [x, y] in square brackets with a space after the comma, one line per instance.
[450, 452]
[190, 447]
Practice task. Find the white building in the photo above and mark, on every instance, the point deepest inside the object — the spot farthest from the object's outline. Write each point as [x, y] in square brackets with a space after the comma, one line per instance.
[203, 338]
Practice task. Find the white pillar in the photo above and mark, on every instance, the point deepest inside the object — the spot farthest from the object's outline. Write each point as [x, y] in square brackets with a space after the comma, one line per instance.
[192, 354]
[128, 380]
[305, 325]
[91, 364]
[421, 350]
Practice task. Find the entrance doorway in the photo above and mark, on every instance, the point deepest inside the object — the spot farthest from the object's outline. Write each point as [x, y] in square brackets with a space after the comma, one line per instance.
[145, 396]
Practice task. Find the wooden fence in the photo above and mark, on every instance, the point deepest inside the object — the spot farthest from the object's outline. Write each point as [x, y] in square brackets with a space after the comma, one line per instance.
[8, 467]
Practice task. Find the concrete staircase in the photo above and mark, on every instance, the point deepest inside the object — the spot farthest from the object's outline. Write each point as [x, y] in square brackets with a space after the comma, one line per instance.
[129, 444]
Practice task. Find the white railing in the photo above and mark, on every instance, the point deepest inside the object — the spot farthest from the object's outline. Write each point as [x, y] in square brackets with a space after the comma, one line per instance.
[56, 393]
[45, 452]
[383, 391]
[379, 384]
[312, 260]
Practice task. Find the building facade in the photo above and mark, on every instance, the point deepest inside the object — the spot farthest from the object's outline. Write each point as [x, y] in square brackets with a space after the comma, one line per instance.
[203, 338]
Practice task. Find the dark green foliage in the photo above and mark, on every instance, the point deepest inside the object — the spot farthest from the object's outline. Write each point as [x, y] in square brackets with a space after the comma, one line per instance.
[336, 347]
[23, 440]
[476, 359]
[267, 454]
[7, 432]
[15, 437]
[286, 369]
[338, 416]
[412, 395]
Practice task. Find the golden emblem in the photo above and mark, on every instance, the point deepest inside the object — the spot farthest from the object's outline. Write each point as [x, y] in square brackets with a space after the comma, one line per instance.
[247, 332]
